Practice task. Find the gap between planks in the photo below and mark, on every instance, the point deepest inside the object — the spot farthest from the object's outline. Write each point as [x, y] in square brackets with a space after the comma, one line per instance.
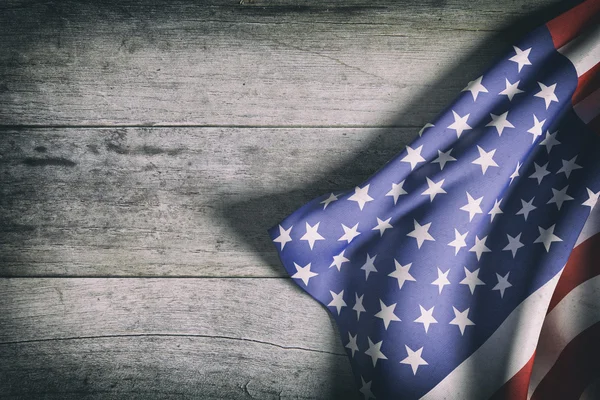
[166, 126]
[140, 277]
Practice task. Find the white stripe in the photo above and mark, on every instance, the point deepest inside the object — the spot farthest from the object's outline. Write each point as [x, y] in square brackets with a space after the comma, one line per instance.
[509, 348]
[584, 51]
[591, 227]
[540, 368]
[576, 312]
[588, 108]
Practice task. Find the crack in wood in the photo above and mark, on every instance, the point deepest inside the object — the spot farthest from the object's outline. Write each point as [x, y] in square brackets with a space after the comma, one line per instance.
[48, 161]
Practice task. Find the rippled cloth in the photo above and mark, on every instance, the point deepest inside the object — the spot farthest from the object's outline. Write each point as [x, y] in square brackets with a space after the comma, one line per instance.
[440, 269]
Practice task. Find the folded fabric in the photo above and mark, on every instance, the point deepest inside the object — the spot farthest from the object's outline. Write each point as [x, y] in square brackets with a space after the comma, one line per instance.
[439, 270]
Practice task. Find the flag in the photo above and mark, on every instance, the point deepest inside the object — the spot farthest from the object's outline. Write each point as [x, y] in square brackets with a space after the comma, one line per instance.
[467, 266]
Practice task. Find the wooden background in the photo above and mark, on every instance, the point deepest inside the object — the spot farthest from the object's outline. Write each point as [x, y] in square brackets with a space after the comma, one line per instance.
[148, 145]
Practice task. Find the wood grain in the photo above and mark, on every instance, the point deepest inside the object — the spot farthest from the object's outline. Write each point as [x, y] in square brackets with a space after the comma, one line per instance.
[168, 201]
[273, 311]
[281, 63]
[167, 338]
[170, 368]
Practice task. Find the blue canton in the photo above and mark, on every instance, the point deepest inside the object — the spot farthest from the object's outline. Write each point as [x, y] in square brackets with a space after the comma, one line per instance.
[420, 264]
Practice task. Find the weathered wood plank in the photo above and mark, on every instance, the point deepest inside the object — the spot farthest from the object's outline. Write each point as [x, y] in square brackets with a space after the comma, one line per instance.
[167, 338]
[269, 63]
[170, 368]
[274, 311]
[168, 202]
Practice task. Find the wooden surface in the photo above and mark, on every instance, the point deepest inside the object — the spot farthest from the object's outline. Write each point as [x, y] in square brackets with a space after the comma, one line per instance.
[148, 145]
[207, 338]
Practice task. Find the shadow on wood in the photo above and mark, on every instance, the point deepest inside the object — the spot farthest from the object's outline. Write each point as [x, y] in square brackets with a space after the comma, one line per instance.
[363, 164]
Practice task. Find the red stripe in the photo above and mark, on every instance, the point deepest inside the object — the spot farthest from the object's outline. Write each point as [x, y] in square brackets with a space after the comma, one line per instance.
[517, 386]
[595, 124]
[576, 368]
[588, 82]
[582, 265]
[567, 26]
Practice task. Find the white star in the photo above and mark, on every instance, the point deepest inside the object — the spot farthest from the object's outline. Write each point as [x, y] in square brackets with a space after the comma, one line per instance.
[540, 172]
[475, 87]
[485, 159]
[473, 206]
[461, 319]
[502, 284]
[521, 57]
[369, 266]
[434, 189]
[427, 125]
[413, 156]
[366, 389]
[560, 196]
[459, 241]
[374, 351]
[479, 247]
[515, 174]
[352, 343]
[460, 124]
[495, 210]
[328, 200]
[358, 305]
[426, 318]
[339, 260]
[304, 273]
[382, 226]
[500, 122]
[443, 158]
[442, 279]
[547, 236]
[397, 191]
[338, 301]
[349, 233]
[547, 93]
[550, 141]
[569, 166]
[511, 89]
[593, 199]
[472, 279]
[414, 359]
[361, 196]
[401, 273]
[536, 129]
[526, 208]
[387, 314]
[421, 233]
[514, 244]
[311, 235]
[284, 236]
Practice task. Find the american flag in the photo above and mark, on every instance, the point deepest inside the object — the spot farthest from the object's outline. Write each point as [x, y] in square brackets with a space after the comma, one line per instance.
[467, 267]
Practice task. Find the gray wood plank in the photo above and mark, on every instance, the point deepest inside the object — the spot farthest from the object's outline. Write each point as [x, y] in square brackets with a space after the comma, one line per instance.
[167, 338]
[277, 63]
[168, 201]
[170, 368]
[273, 311]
